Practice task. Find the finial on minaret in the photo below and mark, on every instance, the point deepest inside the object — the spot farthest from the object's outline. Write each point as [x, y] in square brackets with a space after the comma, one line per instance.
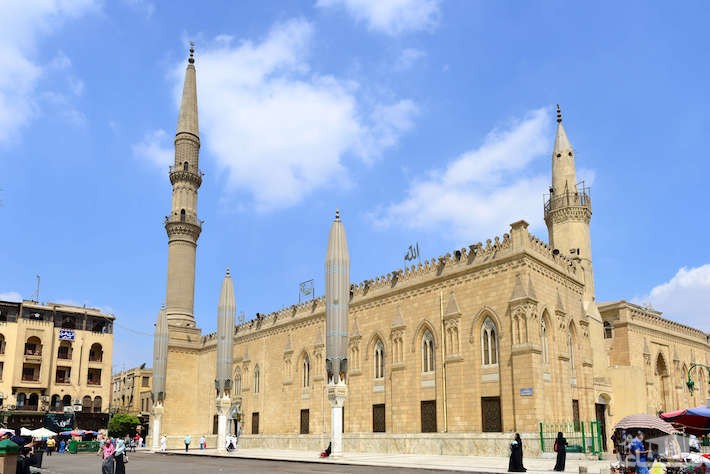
[337, 214]
[191, 59]
[227, 271]
[559, 114]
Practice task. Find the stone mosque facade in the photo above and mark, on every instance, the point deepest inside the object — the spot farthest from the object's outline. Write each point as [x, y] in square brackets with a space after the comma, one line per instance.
[448, 356]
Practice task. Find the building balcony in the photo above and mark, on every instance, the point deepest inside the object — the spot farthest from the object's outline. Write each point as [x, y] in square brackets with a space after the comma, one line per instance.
[186, 173]
[65, 380]
[93, 382]
[579, 197]
[30, 378]
[96, 358]
[184, 219]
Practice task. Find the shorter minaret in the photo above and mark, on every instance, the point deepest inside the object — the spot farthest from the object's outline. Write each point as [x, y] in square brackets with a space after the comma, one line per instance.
[337, 304]
[226, 310]
[160, 364]
[568, 210]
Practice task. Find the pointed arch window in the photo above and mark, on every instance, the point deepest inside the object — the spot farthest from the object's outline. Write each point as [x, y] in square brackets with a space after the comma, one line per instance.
[238, 383]
[570, 349]
[182, 215]
[306, 372]
[489, 342]
[257, 379]
[379, 360]
[427, 352]
[544, 341]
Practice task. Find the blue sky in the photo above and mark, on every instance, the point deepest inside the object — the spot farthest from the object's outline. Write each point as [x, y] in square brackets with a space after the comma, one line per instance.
[423, 121]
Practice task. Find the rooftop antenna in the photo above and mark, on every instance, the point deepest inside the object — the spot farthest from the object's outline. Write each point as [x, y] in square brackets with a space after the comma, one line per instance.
[36, 300]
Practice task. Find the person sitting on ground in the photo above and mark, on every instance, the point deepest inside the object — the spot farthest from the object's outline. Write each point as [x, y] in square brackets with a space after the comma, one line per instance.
[327, 451]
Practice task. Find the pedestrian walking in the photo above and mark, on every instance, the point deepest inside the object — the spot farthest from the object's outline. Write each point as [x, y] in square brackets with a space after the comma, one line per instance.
[203, 442]
[561, 450]
[62, 446]
[515, 464]
[163, 444]
[188, 440]
[119, 457]
[132, 445]
[107, 465]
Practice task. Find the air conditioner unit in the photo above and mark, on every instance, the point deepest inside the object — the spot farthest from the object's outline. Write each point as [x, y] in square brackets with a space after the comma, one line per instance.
[77, 401]
[77, 407]
[68, 409]
[45, 398]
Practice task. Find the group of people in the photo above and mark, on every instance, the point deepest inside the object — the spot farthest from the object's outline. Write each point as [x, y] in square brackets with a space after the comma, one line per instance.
[230, 442]
[113, 453]
[515, 464]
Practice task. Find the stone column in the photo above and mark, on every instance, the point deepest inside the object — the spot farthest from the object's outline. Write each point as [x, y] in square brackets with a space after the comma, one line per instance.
[157, 422]
[337, 393]
[223, 406]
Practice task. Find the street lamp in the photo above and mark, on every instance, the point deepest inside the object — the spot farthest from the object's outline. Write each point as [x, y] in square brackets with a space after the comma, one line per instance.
[691, 384]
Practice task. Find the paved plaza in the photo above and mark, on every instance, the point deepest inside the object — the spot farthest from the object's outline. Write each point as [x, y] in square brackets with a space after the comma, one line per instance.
[145, 462]
[256, 460]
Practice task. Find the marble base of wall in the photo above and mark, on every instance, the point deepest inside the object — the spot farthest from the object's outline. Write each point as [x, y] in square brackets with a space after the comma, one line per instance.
[450, 444]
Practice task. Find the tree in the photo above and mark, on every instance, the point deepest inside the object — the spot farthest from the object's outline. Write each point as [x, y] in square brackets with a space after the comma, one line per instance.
[122, 424]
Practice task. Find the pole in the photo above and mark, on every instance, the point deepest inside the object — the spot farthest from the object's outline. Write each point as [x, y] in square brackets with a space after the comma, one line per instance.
[443, 359]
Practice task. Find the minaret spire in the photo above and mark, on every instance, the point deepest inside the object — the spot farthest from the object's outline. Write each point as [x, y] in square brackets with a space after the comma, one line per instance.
[337, 304]
[226, 310]
[182, 225]
[187, 119]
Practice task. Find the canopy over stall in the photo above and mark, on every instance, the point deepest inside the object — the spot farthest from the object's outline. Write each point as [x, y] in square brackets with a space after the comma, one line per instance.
[651, 425]
[692, 420]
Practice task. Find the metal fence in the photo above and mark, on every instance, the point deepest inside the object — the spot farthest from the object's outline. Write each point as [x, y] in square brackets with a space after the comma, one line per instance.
[582, 437]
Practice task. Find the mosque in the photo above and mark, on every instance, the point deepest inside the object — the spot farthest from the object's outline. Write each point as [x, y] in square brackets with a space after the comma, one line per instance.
[449, 356]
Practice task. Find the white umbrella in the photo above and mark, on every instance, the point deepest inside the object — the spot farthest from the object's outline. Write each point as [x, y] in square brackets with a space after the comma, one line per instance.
[25, 432]
[40, 433]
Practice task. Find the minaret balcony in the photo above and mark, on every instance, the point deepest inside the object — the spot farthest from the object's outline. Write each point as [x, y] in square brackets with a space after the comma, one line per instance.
[183, 224]
[187, 173]
[581, 197]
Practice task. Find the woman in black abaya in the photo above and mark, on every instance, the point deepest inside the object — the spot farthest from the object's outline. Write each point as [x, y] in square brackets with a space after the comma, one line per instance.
[516, 455]
[561, 449]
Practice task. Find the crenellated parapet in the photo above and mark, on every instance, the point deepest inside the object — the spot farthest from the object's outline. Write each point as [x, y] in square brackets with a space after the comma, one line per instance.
[459, 261]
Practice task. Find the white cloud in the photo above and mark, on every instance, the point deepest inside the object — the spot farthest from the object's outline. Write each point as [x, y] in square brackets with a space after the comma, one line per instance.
[142, 6]
[155, 148]
[393, 17]
[13, 296]
[22, 24]
[683, 298]
[483, 190]
[279, 129]
[408, 57]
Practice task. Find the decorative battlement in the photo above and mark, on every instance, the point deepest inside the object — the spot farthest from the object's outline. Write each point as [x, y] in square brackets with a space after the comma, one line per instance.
[187, 173]
[580, 197]
[519, 241]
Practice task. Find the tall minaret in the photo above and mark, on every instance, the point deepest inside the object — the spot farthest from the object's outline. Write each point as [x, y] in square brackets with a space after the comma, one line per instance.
[337, 304]
[569, 209]
[182, 225]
